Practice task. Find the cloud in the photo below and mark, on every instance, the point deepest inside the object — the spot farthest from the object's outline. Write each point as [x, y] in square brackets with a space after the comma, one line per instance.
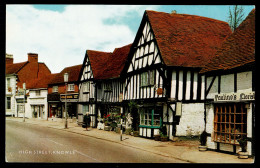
[61, 38]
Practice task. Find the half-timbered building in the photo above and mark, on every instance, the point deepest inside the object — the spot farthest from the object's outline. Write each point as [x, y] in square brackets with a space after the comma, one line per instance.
[101, 88]
[162, 71]
[230, 91]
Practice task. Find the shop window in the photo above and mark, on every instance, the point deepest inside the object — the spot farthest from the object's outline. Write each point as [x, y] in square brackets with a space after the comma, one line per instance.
[55, 89]
[8, 102]
[147, 78]
[230, 122]
[150, 117]
[71, 87]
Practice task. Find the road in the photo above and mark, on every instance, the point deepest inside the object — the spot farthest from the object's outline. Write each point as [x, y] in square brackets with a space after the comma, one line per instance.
[32, 143]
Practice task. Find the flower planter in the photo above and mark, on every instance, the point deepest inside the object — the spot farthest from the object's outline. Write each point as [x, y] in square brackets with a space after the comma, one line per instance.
[107, 128]
[136, 133]
[157, 137]
[128, 131]
[164, 139]
[243, 155]
[202, 148]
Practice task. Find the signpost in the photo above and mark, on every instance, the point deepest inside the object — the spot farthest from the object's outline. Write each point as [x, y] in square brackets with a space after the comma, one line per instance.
[24, 88]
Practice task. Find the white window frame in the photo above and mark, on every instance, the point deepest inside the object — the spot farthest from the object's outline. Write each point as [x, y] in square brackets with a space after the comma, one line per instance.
[147, 78]
[86, 86]
[55, 89]
[71, 87]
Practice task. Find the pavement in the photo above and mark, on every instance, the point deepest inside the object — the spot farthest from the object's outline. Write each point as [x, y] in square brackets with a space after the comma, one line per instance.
[185, 150]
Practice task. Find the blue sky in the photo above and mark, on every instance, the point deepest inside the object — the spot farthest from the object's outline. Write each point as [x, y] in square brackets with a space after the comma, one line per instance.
[61, 34]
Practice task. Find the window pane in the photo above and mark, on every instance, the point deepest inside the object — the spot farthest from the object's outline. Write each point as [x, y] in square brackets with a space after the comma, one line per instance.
[8, 102]
[151, 77]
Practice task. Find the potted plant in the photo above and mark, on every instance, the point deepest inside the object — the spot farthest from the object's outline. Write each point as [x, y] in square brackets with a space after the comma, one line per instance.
[243, 154]
[164, 137]
[203, 141]
[163, 134]
[157, 137]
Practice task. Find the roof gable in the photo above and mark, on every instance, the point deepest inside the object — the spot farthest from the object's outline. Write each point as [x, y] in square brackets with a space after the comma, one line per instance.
[238, 49]
[14, 68]
[185, 40]
[73, 72]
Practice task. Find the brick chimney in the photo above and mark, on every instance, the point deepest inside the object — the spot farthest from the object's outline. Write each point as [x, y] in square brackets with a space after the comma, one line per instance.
[32, 57]
[9, 59]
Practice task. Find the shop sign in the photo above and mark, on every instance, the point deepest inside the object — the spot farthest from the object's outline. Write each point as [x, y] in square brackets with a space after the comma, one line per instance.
[244, 96]
[69, 97]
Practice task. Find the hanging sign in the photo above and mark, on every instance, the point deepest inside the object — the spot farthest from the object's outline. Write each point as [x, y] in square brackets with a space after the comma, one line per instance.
[244, 96]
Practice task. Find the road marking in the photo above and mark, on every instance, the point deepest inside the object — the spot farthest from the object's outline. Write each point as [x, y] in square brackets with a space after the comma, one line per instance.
[87, 156]
[55, 142]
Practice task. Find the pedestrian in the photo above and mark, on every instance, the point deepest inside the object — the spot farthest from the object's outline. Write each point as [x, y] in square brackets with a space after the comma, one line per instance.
[87, 120]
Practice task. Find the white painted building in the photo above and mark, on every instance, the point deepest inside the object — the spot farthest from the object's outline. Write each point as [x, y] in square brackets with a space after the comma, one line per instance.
[230, 91]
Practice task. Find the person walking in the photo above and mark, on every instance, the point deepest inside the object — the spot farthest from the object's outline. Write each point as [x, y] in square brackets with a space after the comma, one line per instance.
[87, 120]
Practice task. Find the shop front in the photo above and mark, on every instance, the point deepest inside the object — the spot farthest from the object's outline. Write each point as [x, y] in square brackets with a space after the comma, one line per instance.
[232, 118]
[72, 103]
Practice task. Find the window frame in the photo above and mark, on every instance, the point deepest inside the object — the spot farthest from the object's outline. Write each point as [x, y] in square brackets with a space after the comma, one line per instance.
[55, 89]
[147, 78]
[86, 87]
[8, 103]
[69, 87]
[230, 122]
[37, 92]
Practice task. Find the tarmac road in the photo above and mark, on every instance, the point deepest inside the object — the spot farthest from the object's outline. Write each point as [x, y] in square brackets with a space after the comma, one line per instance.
[30, 143]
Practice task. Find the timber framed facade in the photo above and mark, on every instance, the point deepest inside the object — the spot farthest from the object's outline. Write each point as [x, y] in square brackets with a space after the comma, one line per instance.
[230, 91]
[163, 79]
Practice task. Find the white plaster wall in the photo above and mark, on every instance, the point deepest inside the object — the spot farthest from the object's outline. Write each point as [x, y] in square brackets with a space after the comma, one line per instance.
[227, 83]
[192, 120]
[244, 81]
[214, 89]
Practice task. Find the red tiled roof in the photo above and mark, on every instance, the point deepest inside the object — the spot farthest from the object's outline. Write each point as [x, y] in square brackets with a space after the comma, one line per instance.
[98, 61]
[116, 62]
[41, 82]
[238, 49]
[14, 68]
[73, 72]
[187, 40]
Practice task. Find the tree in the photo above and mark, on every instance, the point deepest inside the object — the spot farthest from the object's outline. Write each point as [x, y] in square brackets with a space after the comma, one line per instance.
[236, 16]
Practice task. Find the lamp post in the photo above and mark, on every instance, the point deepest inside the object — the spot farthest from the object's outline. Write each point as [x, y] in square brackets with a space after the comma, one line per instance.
[24, 92]
[66, 78]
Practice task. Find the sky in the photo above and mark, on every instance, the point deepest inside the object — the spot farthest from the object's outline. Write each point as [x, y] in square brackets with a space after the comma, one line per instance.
[61, 34]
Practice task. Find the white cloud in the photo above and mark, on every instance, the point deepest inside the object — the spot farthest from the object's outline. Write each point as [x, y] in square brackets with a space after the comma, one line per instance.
[61, 38]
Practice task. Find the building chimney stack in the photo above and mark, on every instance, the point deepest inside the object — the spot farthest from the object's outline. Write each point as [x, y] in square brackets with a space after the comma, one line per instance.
[174, 12]
[9, 59]
[32, 57]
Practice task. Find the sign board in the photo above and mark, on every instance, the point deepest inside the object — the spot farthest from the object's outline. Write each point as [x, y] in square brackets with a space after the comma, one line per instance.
[243, 96]
[69, 97]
